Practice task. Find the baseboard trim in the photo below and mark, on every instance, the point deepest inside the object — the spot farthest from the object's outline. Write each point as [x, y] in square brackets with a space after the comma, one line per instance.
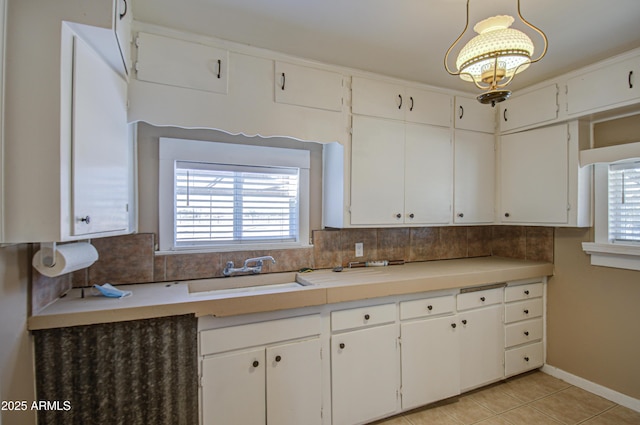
[592, 387]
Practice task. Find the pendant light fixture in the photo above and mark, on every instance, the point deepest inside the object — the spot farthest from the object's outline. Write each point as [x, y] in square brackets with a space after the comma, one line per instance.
[493, 57]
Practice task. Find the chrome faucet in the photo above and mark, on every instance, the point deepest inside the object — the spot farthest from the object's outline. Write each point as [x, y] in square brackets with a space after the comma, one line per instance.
[229, 269]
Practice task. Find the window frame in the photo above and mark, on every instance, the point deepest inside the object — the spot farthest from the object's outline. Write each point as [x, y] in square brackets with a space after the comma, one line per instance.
[603, 251]
[173, 150]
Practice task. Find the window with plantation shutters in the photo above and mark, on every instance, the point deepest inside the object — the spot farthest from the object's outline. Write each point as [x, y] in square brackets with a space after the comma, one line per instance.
[227, 196]
[218, 203]
[624, 202]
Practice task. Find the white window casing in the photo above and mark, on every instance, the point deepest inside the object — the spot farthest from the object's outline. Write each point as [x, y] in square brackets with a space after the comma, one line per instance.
[222, 196]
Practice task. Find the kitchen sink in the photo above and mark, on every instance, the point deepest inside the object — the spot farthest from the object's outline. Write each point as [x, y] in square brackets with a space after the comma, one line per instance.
[250, 285]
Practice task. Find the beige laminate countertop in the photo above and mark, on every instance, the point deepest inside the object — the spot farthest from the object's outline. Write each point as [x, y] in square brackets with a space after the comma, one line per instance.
[151, 300]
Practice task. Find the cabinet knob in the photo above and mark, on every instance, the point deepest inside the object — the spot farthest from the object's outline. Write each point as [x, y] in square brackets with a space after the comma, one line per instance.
[278, 358]
[526, 333]
[429, 307]
[86, 219]
[506, 214]
[412, 215]
[526, 311]
[367, 317]
[464, 321]
[526, 292]
[460, 215]
[483, 299]
[341, 346]
[398, 215]
[255, 363]
[453, 325]
[526, 359]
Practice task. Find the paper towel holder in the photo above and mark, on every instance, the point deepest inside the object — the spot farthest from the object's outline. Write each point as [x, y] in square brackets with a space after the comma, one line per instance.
[48, 256]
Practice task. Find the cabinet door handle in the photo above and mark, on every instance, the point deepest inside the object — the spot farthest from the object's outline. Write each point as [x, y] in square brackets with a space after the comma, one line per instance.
[526, 359]
[412, 215]
[126, 7]
[461, 112]
[504, 115]
[629, 79]
[367, 317]
[526, 333]
[411, 107]
[429, 307]
[464, 321]
[219, 67]
[86, 219]
[284, 79]
[341, 346]
[398, 215]
[507, 214]
[460, 215]
[400, 105]
[255, 363]
[278, 358]
[526, 292]
[453, 325]
[483, 299]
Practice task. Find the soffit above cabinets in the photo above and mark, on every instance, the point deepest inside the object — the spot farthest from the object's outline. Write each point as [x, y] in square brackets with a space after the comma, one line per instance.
[406, 39]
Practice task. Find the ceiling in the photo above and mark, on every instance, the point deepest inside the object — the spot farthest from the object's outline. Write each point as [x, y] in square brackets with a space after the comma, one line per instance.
[404, 38]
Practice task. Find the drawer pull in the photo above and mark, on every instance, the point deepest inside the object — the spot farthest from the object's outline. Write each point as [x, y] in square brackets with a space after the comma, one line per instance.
[453, 325]
[342, 345]
[429, 307]
[464, 321]
[526, 311]
[526, 333]
[526, 359]
[483, 299]
[526, 292]
[255, 363]
[278, 358]
[367, 317]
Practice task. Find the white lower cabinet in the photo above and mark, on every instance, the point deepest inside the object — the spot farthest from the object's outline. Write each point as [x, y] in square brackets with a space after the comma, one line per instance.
[273, 384]
[364, 366]
[481, 338]
[430, 351]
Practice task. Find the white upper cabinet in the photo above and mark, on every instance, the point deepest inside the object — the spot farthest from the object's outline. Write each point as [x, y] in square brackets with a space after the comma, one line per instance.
[400, 173]
[534, 108]
[541, 182]
[474, 177]
[181, 63]
[473, 115]
[394, 101]
[310, 87]
[612, 85]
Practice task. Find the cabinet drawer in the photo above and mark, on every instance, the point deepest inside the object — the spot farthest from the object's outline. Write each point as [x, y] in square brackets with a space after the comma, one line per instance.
[522, 332]
[523, 292]
[361, 317]
[521, 359]
[254, 334]
[522, 310]
[427, 307]
[477, 299]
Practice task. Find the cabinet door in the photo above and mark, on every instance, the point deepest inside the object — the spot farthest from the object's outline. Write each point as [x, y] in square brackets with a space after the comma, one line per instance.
[481, 346]
[100, 146]
[377, 99]
[474, 177]
[428, 174]
[427, 107]
[233, 389]
[377, 171]
[430, 356]
[604, 87]
[534, 176]
[473, 115]
[304, 86]
[535, 107]
[294, 384]
[364, 374]
[181, 63]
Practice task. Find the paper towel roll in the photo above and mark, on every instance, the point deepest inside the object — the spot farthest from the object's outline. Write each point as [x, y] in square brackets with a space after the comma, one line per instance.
[69, 258]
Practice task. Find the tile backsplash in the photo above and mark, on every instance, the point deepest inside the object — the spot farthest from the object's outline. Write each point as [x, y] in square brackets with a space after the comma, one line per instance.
[131, 258]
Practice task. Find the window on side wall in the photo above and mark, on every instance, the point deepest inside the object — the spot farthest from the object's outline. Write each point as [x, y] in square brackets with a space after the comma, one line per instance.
[225, 196]
[617, 215]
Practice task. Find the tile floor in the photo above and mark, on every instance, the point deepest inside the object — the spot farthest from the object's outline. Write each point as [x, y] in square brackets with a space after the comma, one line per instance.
[534, 398]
